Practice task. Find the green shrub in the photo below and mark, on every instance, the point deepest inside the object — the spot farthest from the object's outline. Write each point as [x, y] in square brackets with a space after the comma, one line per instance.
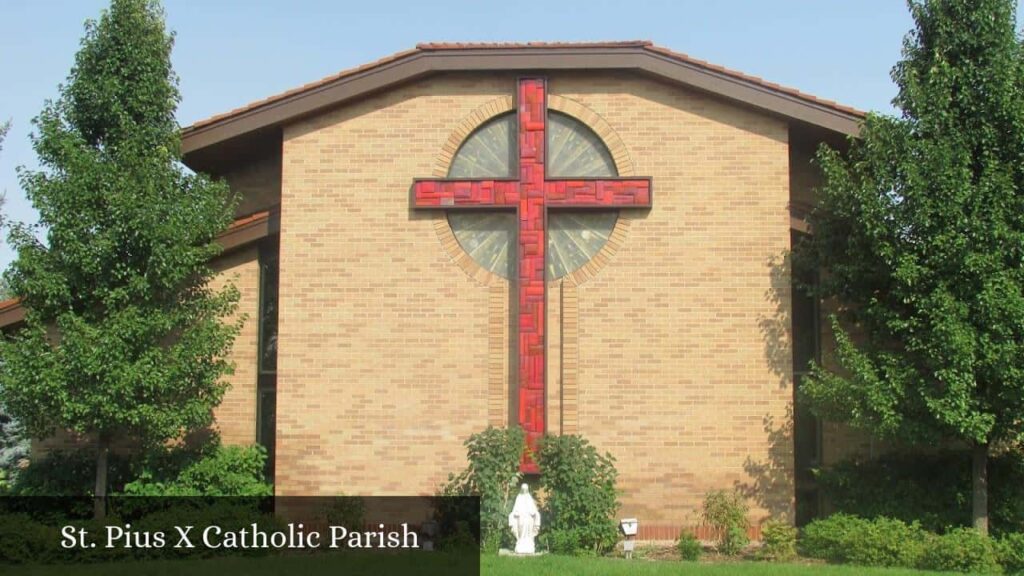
[960, 550]
[1010, 551]
[933, 489]
[726, 512]
[69, 473]
[842, 538]
[222, 471]
[23, 539]
[492, 473]
[460, 538]
[566, 540]
[347, 511]
[827, 539]
[206, 470]
[581, 500]
[778, 541]
[1006, 493]
[888, 542]
[689, 547]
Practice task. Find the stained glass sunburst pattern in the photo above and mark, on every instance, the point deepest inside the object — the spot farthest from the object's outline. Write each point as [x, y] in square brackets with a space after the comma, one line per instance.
[574, 236]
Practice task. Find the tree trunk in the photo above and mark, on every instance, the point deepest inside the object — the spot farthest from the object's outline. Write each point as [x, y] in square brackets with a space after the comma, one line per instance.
[100, 494]
[979, 483]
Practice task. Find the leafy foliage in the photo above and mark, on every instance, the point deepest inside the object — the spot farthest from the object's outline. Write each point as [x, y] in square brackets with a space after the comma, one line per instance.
[349, 512]
[689, 547]
[68, 473]
[124, 337]
[921, 230]
[492, 473]
[960, 550]
[462, 538]
[25, 539]
[207, 470]
[778, 541]
[14, 446]
[1010, 550]
[842, 538]
[580, 496]
[224, 471]
[14, 443]
[727, 513]
[933, 489]
[22, 539]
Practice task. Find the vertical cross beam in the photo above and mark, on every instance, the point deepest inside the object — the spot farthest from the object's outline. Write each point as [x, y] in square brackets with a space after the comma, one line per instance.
[531, 194]
[532, 245]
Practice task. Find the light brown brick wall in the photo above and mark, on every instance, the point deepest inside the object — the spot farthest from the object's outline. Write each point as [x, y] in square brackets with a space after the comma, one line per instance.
[384, 341]
[236, 415]
[383, 356]
[676, 377]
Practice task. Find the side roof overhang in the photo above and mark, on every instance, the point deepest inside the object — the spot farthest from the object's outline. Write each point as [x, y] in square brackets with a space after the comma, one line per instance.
[240, 233]
[208, 141]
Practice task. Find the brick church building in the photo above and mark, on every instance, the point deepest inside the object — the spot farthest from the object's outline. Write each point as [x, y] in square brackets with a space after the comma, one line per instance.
[573, 238]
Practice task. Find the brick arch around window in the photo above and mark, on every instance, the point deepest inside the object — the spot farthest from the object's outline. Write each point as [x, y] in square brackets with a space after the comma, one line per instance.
[496, 107]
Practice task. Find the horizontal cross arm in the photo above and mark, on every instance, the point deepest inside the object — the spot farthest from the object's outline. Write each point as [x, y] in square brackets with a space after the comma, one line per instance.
[603, 193]
[444, 194]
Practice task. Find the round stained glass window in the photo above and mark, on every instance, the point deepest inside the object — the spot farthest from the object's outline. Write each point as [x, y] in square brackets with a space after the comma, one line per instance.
[574, 236]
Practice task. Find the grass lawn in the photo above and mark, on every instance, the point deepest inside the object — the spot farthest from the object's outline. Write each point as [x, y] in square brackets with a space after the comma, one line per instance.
[340, 564]
[442, 565]
[563, 565]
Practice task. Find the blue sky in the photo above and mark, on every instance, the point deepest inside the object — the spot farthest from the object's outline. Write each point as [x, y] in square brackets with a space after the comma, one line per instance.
[230, 52]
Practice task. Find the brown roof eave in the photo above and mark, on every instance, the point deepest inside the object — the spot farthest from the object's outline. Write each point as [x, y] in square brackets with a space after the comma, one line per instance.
[434, 58]
[12, 313]
[242, 232]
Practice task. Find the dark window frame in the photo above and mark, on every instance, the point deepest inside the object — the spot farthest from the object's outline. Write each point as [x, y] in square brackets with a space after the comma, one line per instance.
[807, 493]
[266, 376]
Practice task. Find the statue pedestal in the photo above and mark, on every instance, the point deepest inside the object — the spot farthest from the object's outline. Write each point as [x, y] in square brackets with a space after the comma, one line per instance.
[507, 552]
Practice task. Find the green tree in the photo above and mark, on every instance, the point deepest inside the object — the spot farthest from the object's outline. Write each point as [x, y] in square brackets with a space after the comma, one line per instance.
[580, 497]
[13, 444]
[920, 235]
[124, 339]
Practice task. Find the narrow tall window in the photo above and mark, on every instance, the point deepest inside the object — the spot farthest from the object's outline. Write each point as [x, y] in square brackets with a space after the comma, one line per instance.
[266, 386]
[806, 427]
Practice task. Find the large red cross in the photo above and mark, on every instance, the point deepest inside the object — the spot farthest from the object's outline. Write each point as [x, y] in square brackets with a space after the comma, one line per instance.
[531, 195]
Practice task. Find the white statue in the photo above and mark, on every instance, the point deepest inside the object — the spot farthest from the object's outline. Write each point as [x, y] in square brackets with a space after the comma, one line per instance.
[525, 522]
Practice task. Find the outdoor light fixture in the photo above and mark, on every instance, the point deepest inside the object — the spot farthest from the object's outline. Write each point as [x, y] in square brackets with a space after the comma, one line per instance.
[629, 526]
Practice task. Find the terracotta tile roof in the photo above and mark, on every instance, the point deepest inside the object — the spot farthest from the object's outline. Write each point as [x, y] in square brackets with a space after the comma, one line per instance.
[457, 46]
[250, 219]
[305, 87]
